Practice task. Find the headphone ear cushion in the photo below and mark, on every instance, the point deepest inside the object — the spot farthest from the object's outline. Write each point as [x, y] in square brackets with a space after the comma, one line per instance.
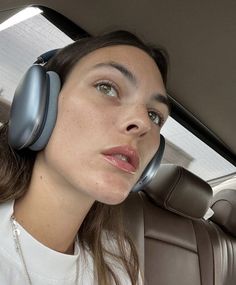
[54, 86]
[151, 169]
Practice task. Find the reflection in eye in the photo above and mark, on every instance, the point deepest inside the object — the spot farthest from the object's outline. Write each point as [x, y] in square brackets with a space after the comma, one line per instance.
[156, 118]
[107, 89]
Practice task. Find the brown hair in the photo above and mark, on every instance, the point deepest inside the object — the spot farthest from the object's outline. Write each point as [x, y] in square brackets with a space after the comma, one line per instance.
[16, 168]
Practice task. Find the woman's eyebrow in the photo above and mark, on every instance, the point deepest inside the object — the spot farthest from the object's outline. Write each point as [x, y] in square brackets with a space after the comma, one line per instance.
[121, 68]
[162, 99]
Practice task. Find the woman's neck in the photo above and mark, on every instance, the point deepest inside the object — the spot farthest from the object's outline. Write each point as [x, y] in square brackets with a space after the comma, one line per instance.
[51, 210]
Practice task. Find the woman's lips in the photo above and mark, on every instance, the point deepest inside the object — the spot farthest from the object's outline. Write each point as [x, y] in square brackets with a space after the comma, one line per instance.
[123, 157]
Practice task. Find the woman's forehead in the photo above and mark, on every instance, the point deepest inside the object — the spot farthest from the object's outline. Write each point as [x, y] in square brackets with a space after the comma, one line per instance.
[134, 59]
[126, 53]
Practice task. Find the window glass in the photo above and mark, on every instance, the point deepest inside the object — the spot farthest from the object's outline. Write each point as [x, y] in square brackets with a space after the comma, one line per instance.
[185, 149]
[21, 44]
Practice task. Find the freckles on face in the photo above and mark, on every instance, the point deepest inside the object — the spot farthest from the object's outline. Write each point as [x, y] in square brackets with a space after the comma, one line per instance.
[74, 150]
[91, 120]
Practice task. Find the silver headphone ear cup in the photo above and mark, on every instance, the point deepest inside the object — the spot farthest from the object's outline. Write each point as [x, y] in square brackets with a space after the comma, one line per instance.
[54, 86]
[151, 169]
[28, 106]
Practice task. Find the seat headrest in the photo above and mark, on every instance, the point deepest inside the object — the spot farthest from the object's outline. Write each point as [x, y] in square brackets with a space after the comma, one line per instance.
[224, 207]
[176, 189]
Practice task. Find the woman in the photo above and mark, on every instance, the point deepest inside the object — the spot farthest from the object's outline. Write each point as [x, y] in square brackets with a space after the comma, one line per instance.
[61, 206]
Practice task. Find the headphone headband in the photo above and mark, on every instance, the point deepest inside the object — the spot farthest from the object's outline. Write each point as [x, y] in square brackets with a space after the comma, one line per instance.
[45, 57]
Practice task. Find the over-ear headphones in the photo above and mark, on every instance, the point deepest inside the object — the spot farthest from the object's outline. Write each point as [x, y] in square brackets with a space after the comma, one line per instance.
[34, 111]
[152, 167]
[34, 107]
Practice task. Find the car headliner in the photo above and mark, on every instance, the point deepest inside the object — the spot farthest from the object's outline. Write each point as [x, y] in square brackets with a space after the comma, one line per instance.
[199, 37]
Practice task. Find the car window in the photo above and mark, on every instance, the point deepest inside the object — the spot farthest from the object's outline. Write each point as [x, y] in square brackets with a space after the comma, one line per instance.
[21, 44]
[195, 155]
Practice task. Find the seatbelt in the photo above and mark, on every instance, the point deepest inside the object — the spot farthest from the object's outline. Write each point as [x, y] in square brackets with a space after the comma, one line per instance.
[205, 252]
[217, 253]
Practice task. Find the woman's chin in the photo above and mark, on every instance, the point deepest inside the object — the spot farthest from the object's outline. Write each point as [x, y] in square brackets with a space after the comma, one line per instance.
[112, 193]
[114, 197]
[107, 188]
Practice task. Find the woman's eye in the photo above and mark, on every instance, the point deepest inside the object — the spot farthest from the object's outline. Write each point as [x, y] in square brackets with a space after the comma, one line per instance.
[156, 118]
[107, 89]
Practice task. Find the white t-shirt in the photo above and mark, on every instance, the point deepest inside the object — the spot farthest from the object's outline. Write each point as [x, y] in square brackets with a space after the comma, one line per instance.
[45, 266]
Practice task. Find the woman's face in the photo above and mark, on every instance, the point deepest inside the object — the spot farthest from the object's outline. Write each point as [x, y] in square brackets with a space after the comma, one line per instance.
[110, 113]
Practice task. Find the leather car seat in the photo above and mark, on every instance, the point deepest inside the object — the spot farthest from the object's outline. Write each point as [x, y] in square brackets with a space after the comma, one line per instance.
[166, 222]
[223, 237]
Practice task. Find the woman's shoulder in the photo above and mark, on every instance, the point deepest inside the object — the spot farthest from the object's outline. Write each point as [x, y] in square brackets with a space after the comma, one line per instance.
[6, 210]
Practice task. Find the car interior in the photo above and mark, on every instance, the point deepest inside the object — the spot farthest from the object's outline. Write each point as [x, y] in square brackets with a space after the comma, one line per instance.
[184, 222]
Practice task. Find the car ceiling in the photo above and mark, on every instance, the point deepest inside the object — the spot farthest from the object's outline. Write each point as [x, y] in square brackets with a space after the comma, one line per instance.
[199, 37]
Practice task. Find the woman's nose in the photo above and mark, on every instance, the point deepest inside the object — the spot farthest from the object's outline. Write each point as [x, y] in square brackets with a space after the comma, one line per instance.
[135, 121]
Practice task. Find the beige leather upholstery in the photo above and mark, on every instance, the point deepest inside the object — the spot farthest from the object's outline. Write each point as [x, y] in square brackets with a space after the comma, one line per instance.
[224, 207]
[223, 236]
[163, 221]
[175, 245]
[180, 191]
